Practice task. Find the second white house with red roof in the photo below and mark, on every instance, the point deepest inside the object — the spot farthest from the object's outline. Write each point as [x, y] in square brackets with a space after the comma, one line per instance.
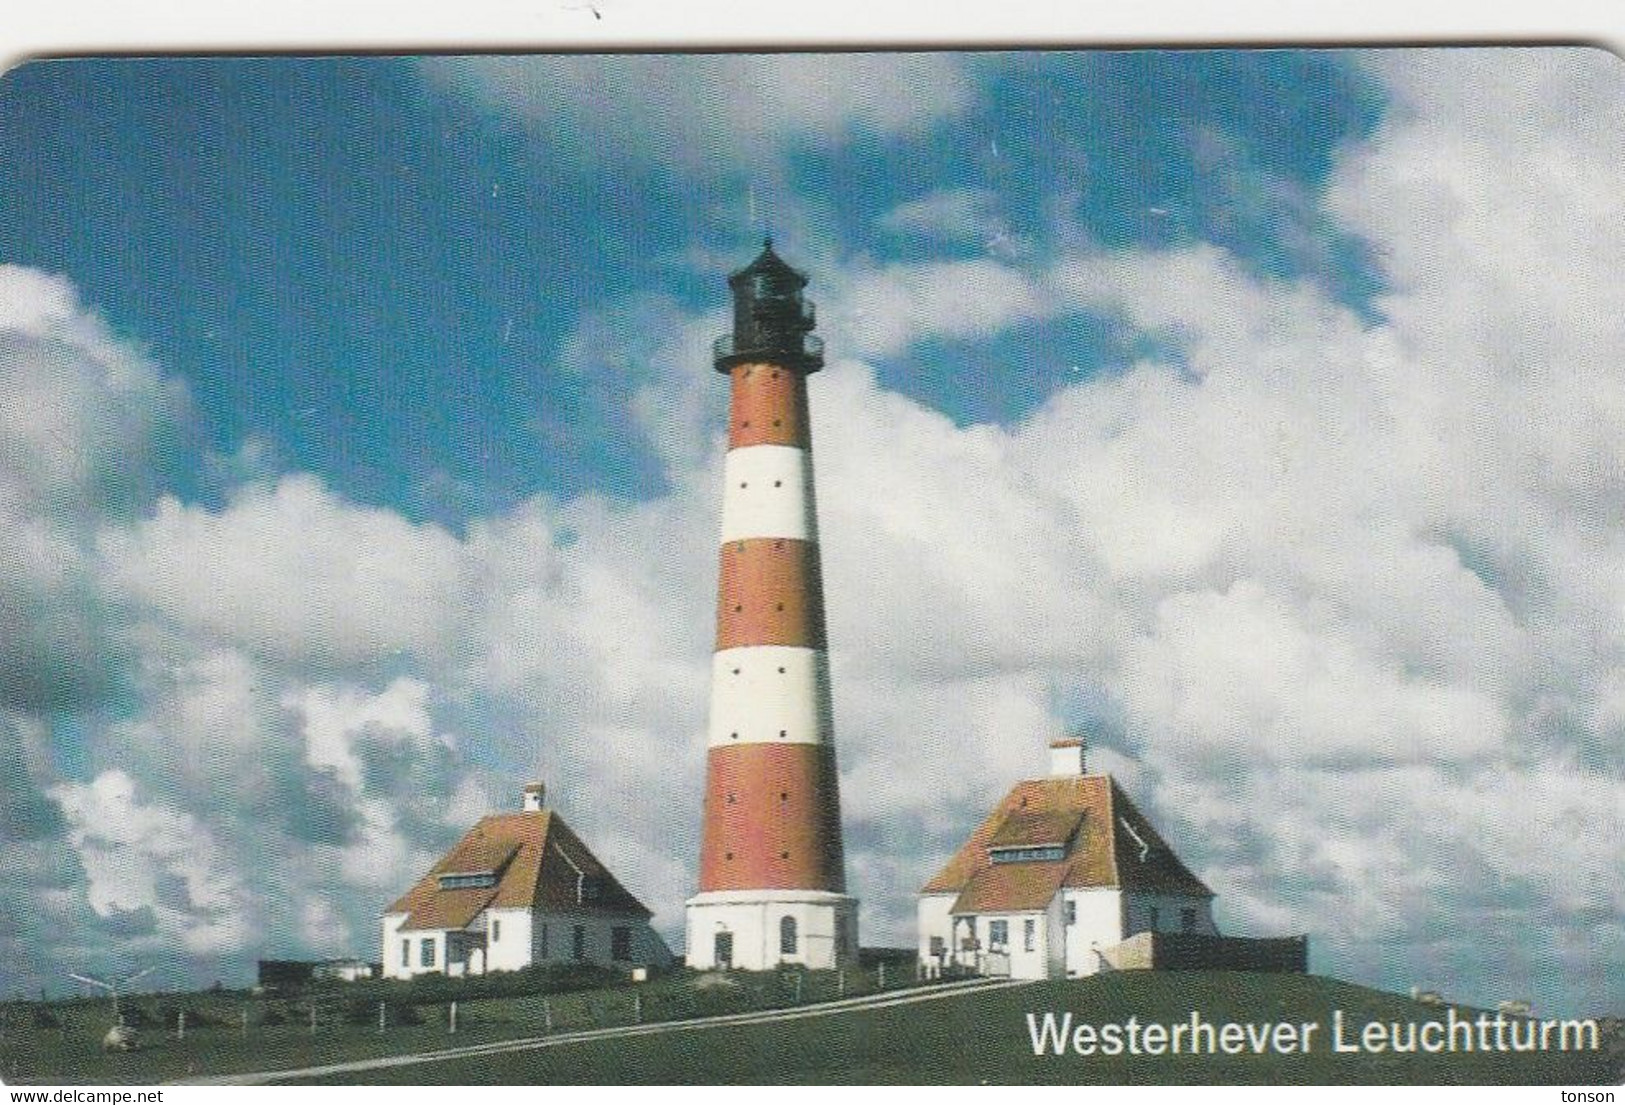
[1056, 879]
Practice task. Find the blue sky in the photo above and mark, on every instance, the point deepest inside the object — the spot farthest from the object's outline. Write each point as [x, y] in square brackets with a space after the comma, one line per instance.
[1251, 411]
[377, 280]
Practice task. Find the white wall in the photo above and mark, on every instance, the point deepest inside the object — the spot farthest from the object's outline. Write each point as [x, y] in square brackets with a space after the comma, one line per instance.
[1025, 962]
[392, 937]
[511, 950]
[1138, 917]
[391, 945]
[753, 918]
[932, 919]
[647, 948]
[1098, 923]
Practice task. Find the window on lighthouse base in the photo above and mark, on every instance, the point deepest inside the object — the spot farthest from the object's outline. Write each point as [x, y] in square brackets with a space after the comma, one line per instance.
[787, 936]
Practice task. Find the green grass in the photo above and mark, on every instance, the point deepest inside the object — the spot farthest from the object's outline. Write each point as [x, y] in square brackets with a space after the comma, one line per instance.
[982, 1037]
[278, 1033]
[968, 1037]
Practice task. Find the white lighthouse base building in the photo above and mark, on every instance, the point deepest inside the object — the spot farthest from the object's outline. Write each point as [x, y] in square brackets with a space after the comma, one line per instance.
[757, 930]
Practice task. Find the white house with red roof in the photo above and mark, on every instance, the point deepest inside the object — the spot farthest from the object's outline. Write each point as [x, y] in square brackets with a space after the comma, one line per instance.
[1062, 872]
[518, 890]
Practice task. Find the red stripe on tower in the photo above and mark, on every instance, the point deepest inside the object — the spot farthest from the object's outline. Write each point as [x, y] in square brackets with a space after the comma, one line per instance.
[772, 872]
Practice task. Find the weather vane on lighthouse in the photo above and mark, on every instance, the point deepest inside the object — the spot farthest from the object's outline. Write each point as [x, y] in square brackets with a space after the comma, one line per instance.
[772, 869]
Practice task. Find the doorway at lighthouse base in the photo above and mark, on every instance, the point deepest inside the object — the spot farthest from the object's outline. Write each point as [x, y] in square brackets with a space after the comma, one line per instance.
[756, 930]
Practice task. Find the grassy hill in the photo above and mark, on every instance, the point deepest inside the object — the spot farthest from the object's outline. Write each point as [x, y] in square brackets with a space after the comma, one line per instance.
[983, 1037]
[966, 1037]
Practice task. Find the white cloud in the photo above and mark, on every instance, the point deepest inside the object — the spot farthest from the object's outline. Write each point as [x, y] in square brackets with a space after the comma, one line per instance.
[879, 311]
[291, 572]
[1346, 592]
[954, 215]
[710, 112]
[147, 856]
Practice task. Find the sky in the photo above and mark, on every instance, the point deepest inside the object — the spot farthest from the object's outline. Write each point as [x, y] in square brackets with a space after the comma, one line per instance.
[1255, 413]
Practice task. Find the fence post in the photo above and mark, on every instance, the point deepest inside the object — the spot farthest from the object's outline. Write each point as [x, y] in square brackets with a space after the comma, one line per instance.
[547, 1015]
[313, 1018]
[453, 1019]
[840, 983]
[637, 1008]
[798, 987]
[180, 1025]
[380, 1018]
[245, 1020]
[882, 974]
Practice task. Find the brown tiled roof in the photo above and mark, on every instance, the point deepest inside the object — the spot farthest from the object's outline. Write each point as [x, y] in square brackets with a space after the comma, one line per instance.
[1011, 887]
[537, 859]
[1031, 828]
[1103, 853]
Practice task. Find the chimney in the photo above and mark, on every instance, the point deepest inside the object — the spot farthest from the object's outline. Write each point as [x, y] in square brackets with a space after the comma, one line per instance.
[533, 797]
[1066, 757]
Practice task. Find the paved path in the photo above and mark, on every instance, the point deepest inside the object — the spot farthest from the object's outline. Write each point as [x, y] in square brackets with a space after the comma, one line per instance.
[536, 1043]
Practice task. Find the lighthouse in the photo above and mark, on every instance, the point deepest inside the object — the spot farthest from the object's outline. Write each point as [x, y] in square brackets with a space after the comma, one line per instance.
[772, 871]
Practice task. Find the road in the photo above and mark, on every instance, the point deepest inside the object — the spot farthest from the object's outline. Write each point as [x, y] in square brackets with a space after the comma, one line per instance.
[536, 1043]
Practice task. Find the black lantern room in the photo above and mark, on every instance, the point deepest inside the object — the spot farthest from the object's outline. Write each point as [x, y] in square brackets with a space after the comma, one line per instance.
[772, 321]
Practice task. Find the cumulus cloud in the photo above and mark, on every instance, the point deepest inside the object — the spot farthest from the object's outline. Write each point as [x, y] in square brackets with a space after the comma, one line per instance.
[1338, 594]
[710, 112]
[149, 859]
[294, 573]
[78, 429]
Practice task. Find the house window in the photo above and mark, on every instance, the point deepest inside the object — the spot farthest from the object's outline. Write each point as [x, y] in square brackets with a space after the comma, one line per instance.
[1156, 919]
[620, 943]
[1046, 853]
[426, 953]
[468, 880]
[998, 934]
[787, 936]
[406, 953]
[1071, 911]
[1029, 934]
[1187, 920]
[544, 941]
[937, 947]
[496, 931]
[578, 942]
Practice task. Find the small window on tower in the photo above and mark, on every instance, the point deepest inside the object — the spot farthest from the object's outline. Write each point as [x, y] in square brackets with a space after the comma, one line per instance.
[787, 936]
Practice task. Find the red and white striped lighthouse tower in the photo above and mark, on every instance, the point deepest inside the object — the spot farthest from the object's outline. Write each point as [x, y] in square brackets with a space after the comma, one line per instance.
[772, 871]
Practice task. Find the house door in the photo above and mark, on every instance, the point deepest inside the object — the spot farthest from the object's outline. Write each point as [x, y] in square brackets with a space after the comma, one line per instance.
[724, 956]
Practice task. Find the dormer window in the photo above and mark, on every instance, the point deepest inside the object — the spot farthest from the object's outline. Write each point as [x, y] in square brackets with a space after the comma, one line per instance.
[468, 880]
[1043, 853]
